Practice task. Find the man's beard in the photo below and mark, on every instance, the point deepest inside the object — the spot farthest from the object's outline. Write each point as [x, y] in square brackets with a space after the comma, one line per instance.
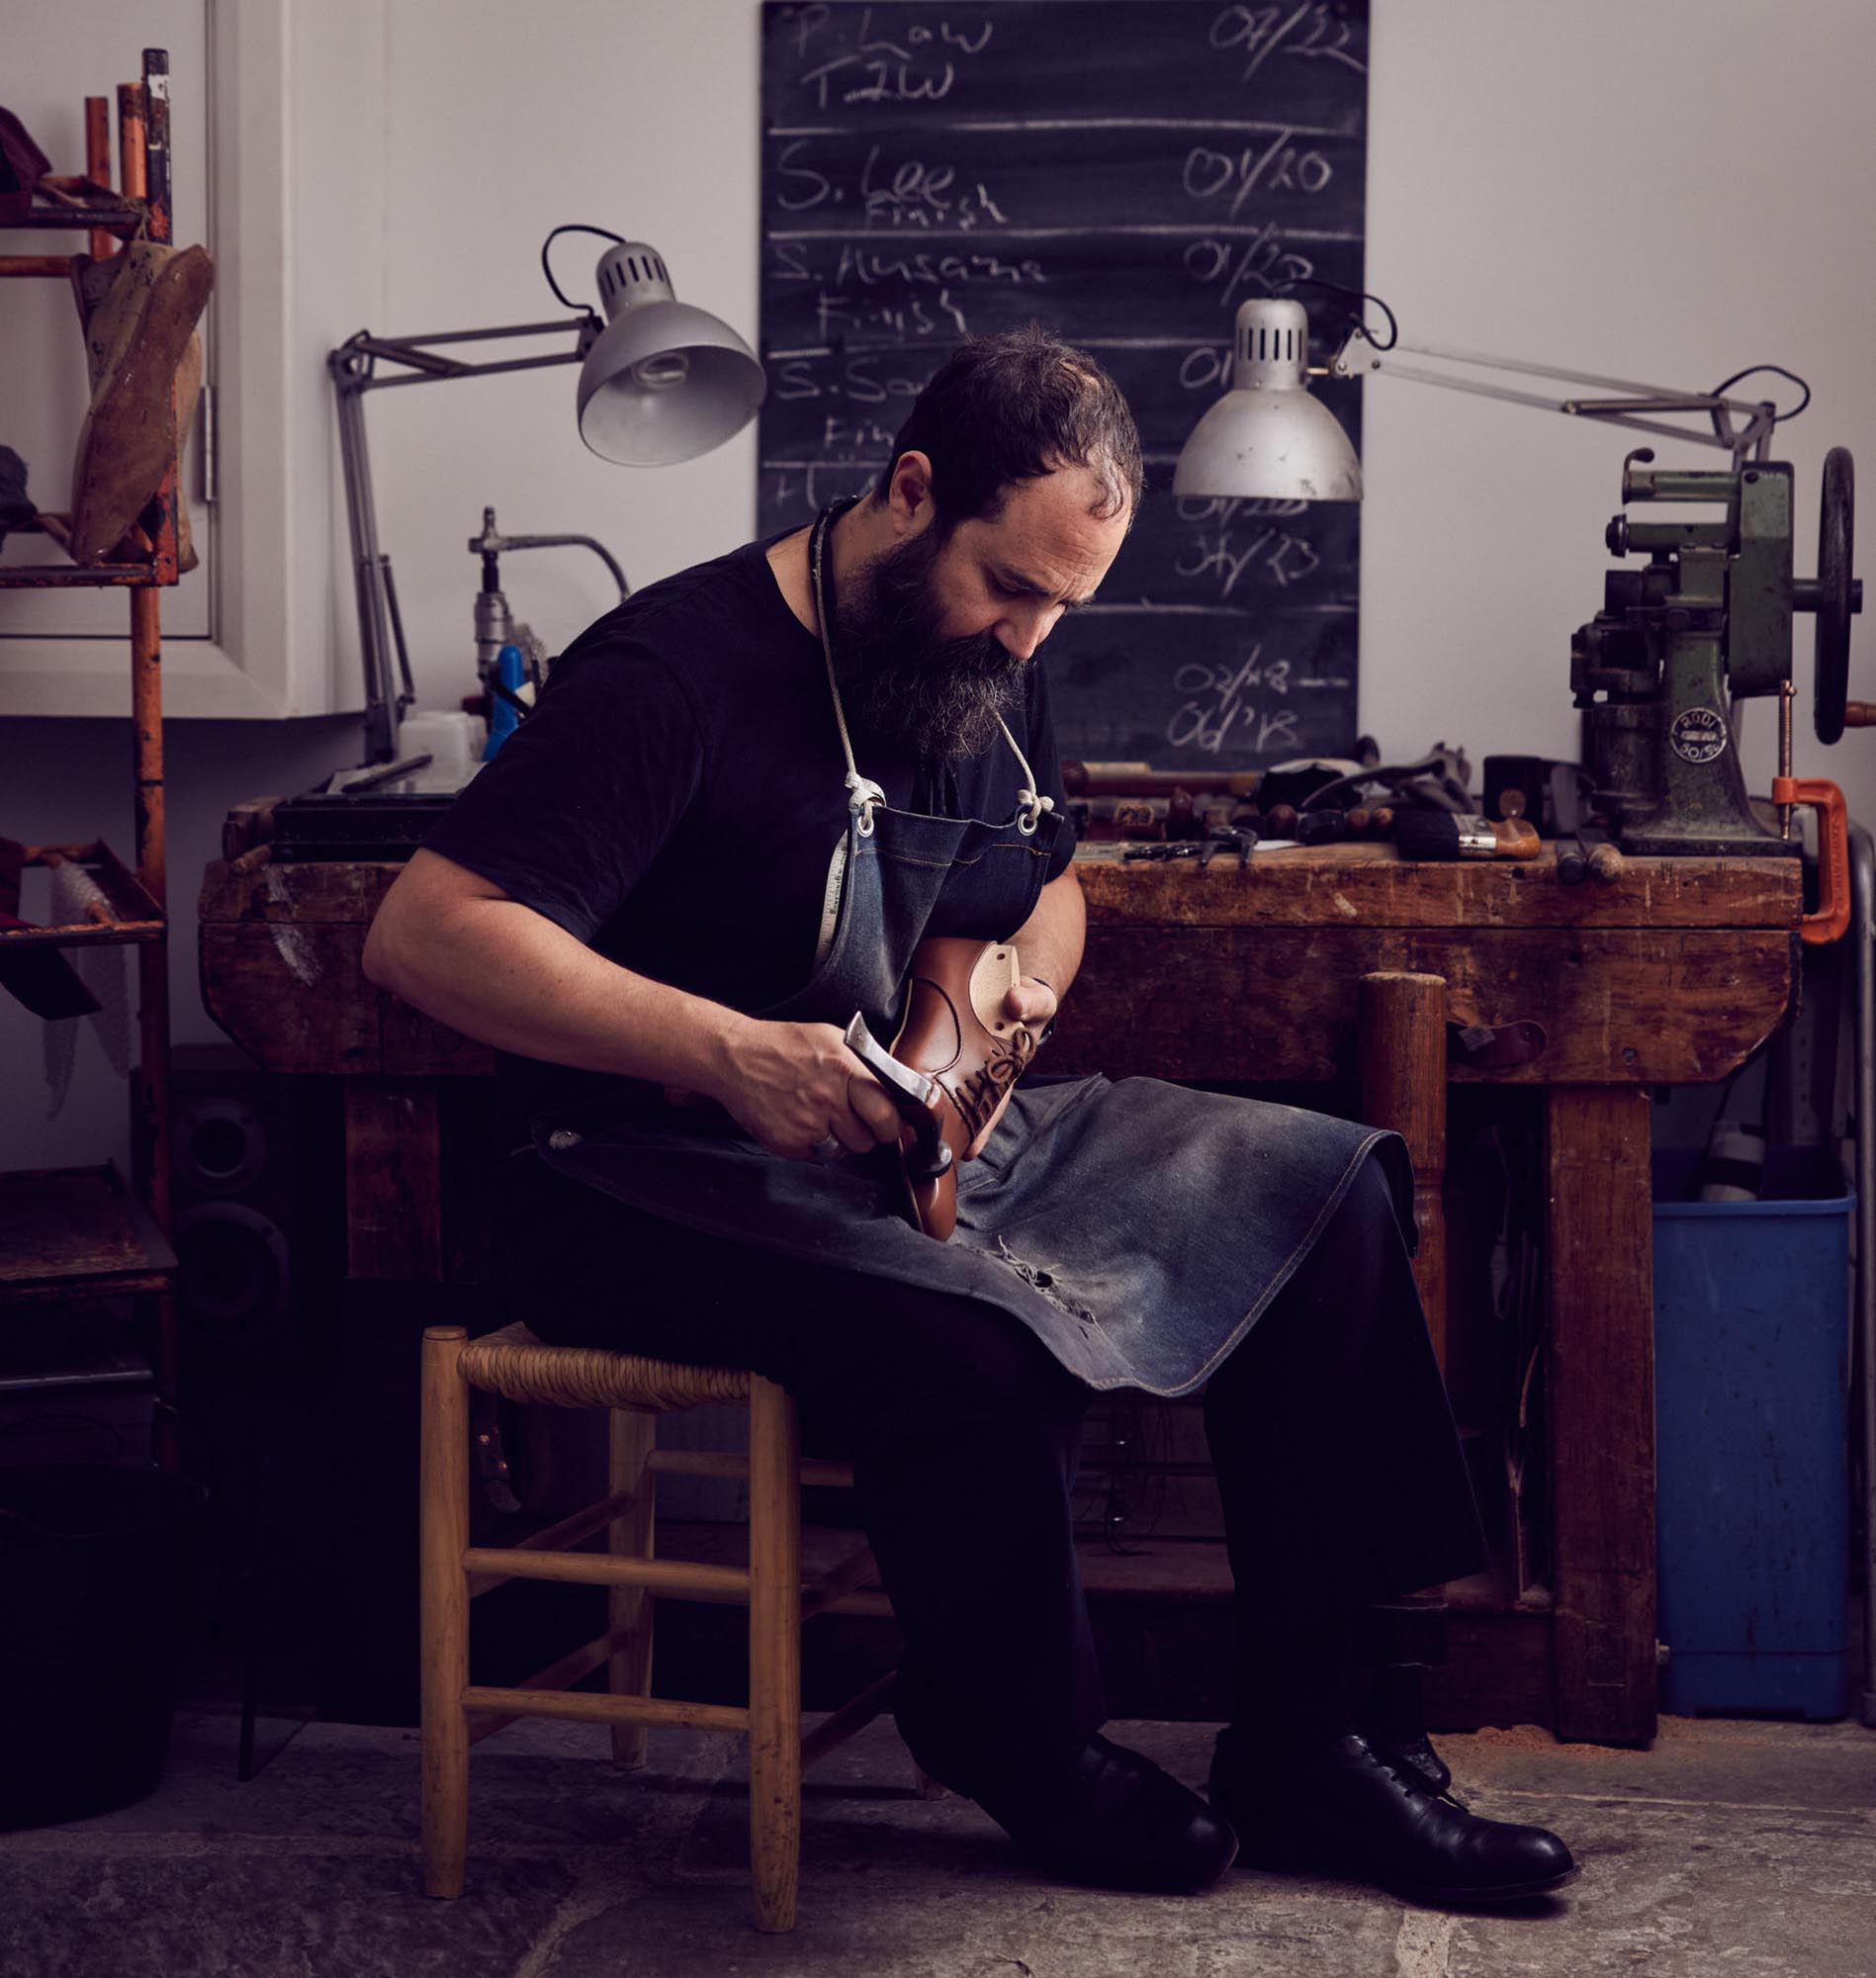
[944, 697]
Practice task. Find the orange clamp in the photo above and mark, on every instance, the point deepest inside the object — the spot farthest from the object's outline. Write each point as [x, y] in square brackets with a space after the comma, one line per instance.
[1833, 916]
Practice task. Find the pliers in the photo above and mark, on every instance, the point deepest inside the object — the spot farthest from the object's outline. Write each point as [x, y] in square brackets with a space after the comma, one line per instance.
[1239, 835]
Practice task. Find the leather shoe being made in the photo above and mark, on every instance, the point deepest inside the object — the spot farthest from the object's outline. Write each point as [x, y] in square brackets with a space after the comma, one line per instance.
[1115, 1820]
[1342, 1807]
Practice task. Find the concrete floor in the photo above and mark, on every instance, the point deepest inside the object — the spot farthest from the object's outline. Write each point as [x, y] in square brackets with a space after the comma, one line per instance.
[1731, 1848]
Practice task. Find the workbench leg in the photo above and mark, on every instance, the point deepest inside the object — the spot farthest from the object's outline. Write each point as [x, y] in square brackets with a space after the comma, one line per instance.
[394, 1181]
[1601, 1293]
[1402, 1047]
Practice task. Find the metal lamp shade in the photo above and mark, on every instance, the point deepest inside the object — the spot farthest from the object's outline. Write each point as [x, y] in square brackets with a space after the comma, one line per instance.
[663, 382]
[1268, 437]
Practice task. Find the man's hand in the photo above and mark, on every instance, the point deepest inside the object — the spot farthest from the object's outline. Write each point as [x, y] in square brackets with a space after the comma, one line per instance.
[1031, 1002]
[792, 1086]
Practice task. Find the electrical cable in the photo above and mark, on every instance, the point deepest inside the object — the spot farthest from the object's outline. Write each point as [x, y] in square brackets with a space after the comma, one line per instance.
[1355, 316]
[604, 234]
[1778, 370]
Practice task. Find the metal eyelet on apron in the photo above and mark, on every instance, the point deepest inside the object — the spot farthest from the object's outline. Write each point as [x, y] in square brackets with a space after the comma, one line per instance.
[863, 796]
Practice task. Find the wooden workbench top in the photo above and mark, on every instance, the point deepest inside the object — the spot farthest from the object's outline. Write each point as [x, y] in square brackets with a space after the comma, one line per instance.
[1670, 975]
[1324, 885]
[1371, 885]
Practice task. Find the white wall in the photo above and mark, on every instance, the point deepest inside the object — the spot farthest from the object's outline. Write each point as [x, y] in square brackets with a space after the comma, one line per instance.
[1661, 189]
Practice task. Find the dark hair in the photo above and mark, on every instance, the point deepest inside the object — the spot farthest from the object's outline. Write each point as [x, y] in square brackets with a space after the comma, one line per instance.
[1012, 408]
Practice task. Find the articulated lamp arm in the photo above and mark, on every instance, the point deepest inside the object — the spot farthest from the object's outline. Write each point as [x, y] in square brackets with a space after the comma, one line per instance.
[1357, 356]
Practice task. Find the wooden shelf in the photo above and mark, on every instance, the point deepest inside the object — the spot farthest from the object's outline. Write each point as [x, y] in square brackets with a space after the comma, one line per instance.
[124, 220]
[70, 1232]
[79, 577]
[133, 915]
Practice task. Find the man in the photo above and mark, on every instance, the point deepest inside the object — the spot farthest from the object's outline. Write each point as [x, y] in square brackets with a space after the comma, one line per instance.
[745, 797]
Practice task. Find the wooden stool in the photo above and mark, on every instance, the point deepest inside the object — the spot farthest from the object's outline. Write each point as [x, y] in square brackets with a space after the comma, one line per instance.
[458, 1713]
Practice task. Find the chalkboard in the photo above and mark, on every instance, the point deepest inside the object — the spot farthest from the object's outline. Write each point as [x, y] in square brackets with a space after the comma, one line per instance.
[1125, 172]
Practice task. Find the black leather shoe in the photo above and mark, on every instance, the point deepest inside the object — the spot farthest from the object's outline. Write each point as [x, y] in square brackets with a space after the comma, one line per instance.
[1393, 1721]
[1115, 1820]
[1345, 1809]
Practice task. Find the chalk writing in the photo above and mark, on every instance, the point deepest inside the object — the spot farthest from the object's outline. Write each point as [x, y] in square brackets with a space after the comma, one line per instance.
[867, 378]
[1223, 510]
[914, 63]
[1220, 554]
[835, 315]
[1309, 31]
[1260, 266]
[1278, 166]
[1220, 707]
[862, 265]
[910, 193]
[916, 194]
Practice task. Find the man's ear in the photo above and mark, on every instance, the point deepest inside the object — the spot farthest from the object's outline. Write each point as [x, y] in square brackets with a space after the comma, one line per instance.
[909, 494]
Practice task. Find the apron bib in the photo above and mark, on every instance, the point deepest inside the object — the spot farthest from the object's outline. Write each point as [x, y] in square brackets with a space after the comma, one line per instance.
[1138, 1229]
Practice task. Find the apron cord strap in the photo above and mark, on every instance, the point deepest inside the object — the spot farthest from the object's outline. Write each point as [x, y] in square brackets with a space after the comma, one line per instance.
[863, 793]
[1031, 803]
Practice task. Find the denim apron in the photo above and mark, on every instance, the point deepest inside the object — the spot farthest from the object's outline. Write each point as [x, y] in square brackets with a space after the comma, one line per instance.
[1138, 1229]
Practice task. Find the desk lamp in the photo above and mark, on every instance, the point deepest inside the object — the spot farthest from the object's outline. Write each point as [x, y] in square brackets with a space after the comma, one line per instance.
[1269, 438]
[660, 382]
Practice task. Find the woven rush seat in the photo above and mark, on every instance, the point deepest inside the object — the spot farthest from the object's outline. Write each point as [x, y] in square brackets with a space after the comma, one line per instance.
[514, 1363]
[634, 1391]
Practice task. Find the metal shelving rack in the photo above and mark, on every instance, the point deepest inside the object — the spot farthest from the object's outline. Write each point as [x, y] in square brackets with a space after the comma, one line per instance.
[68, 1233]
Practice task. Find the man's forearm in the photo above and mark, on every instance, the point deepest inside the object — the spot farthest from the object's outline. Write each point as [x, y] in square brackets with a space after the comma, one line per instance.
[501, 973]
[1049, 945]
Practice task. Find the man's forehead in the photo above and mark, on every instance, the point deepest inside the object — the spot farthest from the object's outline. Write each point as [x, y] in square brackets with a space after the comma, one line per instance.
[1047, 534]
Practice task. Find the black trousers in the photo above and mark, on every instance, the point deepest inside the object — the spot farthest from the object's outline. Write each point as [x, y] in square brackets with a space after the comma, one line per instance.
[1341, 1474]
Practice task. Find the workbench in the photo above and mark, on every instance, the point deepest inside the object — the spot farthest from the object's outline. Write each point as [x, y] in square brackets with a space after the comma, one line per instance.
[1340, 965]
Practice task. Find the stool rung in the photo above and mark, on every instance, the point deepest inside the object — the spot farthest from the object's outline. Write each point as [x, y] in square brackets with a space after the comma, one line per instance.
[838, 1582]
[576, 1525]
[673, 1579]
[590, 1707]
[579, 1525]
[816, 1471]
[854, 1715]
[562, 1674]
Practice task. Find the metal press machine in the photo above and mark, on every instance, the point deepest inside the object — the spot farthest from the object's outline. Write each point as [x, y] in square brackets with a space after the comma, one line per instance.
[1705, 624]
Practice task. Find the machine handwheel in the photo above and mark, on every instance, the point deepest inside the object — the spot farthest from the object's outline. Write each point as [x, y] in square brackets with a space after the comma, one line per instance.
[1838, 595]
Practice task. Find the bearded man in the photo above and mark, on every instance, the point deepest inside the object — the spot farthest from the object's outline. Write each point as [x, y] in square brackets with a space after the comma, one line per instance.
[745, 798]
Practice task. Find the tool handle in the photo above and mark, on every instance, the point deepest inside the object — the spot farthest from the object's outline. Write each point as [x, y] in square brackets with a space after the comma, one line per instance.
[1605, 864]
[1833, 916]
[914, 1097]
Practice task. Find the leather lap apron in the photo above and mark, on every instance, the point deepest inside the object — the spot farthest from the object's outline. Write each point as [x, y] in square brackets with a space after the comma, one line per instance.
[1138, 1229]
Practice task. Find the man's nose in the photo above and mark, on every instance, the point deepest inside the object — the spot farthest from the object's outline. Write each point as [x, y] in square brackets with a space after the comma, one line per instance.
[1021, 633]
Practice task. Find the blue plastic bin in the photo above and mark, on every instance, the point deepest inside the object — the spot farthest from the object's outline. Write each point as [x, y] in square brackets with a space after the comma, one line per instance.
[1751, 1349]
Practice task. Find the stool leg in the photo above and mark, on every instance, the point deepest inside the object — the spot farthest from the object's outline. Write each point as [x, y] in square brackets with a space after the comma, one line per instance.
[632, 1437]
[774, 1653]
[444, 1601]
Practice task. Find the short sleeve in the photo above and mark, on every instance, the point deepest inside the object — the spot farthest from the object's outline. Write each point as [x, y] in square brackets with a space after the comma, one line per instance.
[586, 791]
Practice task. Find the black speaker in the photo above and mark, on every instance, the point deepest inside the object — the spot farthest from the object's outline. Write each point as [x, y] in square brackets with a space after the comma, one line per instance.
[258, 1178]
[251, 1208]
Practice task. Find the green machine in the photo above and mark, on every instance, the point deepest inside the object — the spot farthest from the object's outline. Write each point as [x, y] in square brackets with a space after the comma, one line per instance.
[1706, 624]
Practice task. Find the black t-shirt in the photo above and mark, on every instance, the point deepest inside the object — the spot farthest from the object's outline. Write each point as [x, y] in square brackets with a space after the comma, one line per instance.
[674, 800]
